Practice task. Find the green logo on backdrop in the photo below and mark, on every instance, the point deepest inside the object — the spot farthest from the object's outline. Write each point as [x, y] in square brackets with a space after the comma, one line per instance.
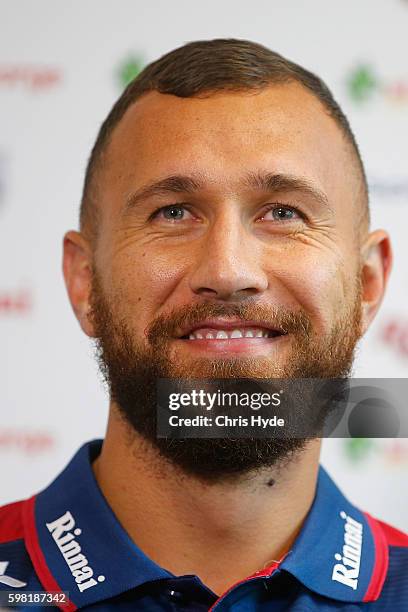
[362, 83]
[128, 70]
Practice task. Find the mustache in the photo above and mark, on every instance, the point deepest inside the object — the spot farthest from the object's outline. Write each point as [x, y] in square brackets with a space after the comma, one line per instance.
[278, 317]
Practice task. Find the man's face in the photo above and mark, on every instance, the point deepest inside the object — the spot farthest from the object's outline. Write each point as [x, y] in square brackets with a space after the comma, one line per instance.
[229, 241]
[221, 242]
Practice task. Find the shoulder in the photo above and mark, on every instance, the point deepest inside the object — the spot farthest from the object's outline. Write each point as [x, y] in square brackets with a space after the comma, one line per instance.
[394, 537]
[397, 542]
[16, 568]
[395, 560]
[11, 522]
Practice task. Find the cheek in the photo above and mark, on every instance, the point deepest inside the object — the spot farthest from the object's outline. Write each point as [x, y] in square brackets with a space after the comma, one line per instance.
[319, 284]
[142, 281]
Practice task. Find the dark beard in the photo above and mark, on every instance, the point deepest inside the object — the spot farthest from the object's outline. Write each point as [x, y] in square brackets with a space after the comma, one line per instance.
[131, 372]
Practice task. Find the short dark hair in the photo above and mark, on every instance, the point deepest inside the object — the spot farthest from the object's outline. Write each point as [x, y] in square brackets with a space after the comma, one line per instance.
[201, 68]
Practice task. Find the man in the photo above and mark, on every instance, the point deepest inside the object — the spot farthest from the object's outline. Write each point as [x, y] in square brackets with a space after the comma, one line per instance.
[224, 233]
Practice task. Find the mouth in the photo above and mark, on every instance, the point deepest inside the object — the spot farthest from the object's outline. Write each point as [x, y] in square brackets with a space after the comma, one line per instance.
[228, 337]
[230, 329]
[227, 334]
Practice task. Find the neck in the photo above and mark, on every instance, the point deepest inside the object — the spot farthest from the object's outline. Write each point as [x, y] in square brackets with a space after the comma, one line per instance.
[221, 532]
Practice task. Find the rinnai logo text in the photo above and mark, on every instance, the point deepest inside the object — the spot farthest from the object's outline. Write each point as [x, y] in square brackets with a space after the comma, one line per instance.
[63, 531]
[348, 570]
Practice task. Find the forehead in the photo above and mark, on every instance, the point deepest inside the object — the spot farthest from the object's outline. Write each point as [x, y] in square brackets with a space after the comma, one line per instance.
[282, 129]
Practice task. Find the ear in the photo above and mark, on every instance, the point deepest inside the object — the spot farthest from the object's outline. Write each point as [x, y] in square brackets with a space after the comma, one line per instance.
[376, 263]
[77, 268]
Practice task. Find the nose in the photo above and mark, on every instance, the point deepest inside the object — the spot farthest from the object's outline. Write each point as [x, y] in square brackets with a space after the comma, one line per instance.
[229, 262]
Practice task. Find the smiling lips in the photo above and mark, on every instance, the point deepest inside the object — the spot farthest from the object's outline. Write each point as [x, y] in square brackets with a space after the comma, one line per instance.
[231, 336]
[207, 333]
[225, 329]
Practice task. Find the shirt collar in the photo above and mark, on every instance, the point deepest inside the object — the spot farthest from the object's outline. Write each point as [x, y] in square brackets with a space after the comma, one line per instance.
[339, 552]
[77, 544]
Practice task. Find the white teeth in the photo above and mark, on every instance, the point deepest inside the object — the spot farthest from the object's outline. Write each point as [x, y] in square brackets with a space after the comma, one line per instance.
[222, 335]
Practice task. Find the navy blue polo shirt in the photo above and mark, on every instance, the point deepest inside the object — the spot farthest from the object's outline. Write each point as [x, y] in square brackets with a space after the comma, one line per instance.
[68, 539]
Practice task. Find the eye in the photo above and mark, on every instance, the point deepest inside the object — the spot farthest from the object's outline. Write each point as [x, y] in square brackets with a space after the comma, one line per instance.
[173, 212]
[279, 212]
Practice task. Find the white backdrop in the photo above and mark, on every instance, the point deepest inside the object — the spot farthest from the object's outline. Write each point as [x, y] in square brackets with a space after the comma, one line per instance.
[62, 65]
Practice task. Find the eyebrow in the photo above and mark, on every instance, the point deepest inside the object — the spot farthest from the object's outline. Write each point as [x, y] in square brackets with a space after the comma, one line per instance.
[266, 182]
